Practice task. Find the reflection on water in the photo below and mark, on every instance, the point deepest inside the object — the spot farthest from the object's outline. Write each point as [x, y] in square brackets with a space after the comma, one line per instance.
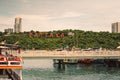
[37, 63]
[38, 69]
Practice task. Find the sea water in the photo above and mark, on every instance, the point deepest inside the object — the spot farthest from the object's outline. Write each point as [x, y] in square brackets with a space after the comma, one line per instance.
[43, 69]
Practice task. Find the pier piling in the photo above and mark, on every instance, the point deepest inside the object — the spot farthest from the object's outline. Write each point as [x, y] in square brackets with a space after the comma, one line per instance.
[61, 64]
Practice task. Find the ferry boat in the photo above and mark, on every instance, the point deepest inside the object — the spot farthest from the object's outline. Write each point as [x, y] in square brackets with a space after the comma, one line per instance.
[10, 62]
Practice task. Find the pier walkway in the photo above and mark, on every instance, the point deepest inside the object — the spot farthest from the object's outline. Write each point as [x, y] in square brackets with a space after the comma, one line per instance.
[42, 54]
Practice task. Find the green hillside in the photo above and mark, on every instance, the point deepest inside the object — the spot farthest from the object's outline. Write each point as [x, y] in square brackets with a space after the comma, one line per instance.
[79, 39]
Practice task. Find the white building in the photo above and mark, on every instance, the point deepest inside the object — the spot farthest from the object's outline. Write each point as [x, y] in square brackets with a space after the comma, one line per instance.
[116, 27]
[17, 26]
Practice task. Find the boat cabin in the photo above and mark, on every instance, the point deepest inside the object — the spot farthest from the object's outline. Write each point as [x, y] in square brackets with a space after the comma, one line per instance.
[10, 56]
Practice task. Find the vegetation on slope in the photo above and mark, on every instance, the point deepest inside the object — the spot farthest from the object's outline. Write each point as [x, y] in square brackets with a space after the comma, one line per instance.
[80, 39]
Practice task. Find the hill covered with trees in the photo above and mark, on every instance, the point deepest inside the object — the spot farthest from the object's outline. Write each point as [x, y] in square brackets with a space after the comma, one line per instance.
[55, 39]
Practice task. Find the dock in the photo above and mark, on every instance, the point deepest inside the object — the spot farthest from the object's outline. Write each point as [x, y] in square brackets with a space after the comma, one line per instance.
[111, 58]
[42, 54]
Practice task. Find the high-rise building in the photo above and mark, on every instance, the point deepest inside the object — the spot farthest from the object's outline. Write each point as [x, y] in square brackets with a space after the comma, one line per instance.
[116, 27]
[17, 26]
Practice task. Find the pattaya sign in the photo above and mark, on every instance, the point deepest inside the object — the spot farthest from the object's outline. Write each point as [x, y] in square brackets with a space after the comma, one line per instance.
[46, 35]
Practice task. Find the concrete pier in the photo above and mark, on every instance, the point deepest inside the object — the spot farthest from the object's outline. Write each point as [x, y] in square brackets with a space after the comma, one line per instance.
[71, 54]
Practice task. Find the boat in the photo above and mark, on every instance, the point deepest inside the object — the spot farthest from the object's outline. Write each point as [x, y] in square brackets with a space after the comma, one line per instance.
[85, 61]
[10, 62]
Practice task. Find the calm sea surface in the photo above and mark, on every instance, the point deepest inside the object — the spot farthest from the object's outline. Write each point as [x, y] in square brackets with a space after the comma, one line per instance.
[38, 69]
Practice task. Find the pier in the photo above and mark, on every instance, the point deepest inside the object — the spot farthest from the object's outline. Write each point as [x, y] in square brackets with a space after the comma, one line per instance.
[110, 58]
[42, 54]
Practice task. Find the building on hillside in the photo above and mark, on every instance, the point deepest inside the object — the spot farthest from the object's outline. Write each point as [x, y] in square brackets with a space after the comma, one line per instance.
[8, 31]
[17, 25]
[116, 27]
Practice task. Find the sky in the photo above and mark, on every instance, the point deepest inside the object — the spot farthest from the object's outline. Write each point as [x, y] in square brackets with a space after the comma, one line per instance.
[49, 15]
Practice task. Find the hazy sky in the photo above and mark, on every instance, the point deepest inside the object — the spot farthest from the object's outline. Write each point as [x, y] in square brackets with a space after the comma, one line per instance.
[46, 15]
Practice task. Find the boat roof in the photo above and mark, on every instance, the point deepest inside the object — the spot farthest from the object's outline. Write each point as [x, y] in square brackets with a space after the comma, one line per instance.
[3, 47]
[13, 46]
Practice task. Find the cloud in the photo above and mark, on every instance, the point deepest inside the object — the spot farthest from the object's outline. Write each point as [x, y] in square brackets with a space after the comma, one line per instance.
[61, 14]
[6, 22]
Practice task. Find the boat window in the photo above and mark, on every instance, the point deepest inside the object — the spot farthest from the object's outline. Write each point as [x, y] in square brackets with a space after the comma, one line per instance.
[15, 63]
[10, 58]
[3, 63]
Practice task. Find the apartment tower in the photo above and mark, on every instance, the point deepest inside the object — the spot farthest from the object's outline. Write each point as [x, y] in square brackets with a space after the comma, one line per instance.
[116, 27]
[17, 26]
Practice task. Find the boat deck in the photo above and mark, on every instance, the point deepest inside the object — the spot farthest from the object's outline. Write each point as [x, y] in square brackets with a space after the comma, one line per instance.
[4, 79]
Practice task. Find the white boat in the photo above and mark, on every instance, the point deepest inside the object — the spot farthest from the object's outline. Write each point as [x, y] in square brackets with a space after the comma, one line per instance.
[10, 62]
